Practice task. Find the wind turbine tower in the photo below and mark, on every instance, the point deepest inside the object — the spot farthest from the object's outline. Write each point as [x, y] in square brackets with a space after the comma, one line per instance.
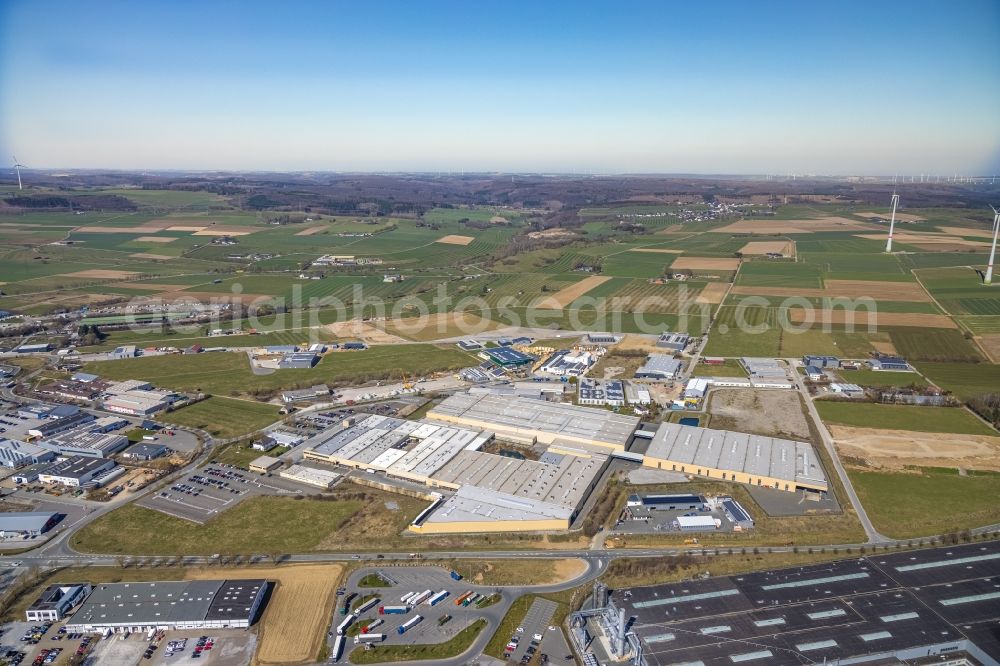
[993, 250]
[892, 222]
[17, 168]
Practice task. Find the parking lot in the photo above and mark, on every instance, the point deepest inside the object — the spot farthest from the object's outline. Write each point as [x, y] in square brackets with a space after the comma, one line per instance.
[533, 630]
[440, 622]
[38, 642]
[202, 494]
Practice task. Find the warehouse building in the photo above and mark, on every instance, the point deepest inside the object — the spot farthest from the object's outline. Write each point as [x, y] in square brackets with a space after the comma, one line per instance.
[139, 402]
[891, 363]
[83, 442]
[264, 464]
[126, 385]
[506, 357]
[56, 601]
[310, 476]
[568, 363]
[79, 471]
[918, 607]
[534, 421]
[675, 341]
[170, 605]
[659, 366]
[299, 361]
[26, 523]
[312, 393]
[144, 451]
[764, 368]
[821, 361]
[15, 454]
[601, 392]
[57, 423]
[734, 456]
[33, 348]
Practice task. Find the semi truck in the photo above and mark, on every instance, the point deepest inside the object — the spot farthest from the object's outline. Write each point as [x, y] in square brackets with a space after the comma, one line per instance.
[371, 625]
[456, 576]
[342, 627]
[338, 647]
[371, 603]
[393, 610]
[437, 598]
[412, 622]
[369, 638]
[405, 599]
[458, 602]
[421, 598]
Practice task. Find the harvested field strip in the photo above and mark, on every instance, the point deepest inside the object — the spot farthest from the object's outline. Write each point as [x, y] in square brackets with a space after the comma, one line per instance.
[455, 239]
[963, 231]
[222, 232]
[102, 274]
[785, 247]
[156, 239]
[863, 318]
[887, 291]
[928, 238]
[311, 231]
[713, 293]
[900, 217]
[641, 296]
[292, 628]
[565, 296]
[774, 227]
[656, 249]
[152, 286]
[150, 255]
[186, 227]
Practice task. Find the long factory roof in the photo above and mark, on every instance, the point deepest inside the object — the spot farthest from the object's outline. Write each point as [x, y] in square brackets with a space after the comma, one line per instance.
[472, 504]
[526, 418]
[736, 451]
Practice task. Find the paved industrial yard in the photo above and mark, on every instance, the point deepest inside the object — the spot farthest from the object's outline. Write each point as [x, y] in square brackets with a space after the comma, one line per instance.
[206, 492]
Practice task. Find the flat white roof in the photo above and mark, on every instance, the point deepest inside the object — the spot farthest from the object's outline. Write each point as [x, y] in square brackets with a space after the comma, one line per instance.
[474, 505]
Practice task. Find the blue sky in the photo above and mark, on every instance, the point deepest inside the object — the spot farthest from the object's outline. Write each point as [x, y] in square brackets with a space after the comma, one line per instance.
[721, 87]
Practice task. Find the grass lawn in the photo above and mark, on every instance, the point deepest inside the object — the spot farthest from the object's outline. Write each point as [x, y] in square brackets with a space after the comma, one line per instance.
[902, 417]
[241, 454]
[731, 368]
[256, 525]
[883, 378]
[223, 417]
[452, 648]
[931, 501]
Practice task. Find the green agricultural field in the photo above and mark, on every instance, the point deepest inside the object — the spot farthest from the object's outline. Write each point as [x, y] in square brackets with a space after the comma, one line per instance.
[956, 420]
[961, 291]
[223, 417]
[931, 502]
[980, 325]
[222, 373]
[780, 274]
[963, 379]
[750, 331]
[256, 525]
[933, 344]
[883, 378]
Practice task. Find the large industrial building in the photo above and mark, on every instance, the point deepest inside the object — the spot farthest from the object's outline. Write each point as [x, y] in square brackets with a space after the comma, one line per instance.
[917, 607]
[26, 523]
[659, 366]
[735, 456]
[14, 454]
[84, 442]
[533, 421]
[170, 605]
[491, 492]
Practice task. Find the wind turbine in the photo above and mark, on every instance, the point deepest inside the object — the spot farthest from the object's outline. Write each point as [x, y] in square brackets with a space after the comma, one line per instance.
[17, 167]
[993, 250]
[892, 222]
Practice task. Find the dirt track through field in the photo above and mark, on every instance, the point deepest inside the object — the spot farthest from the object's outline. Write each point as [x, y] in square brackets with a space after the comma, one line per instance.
[766, 226]
[861, 318]
[874, 289]
[567, 295]
[294, 622]
[706, 263]
[101, 274]
[714, 292]
[455, 239]
[896, 449]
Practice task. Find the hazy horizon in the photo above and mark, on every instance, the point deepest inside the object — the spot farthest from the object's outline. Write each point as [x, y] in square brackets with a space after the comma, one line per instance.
[727, 89]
